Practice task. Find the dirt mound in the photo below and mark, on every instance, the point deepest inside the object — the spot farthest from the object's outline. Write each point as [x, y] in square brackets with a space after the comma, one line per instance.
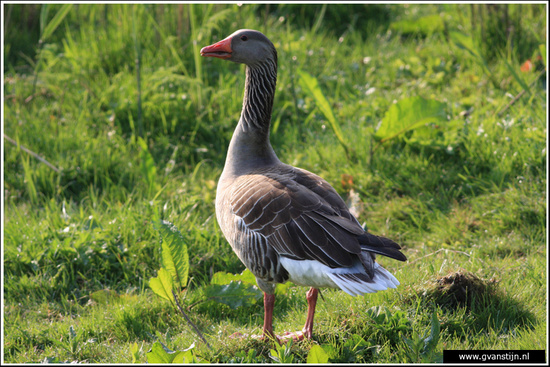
[460, 288]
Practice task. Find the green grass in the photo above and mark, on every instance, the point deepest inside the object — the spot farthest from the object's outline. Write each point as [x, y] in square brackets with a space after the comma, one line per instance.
[477, 205]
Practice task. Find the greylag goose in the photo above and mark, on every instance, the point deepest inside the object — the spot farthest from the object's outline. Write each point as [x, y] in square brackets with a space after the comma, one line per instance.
[285, 223]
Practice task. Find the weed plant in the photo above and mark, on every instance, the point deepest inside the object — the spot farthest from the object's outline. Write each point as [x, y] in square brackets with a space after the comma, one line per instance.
[136, 124]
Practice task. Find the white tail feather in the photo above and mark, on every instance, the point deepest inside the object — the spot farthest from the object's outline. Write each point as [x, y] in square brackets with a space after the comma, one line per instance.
[382, 280]
[312, 273]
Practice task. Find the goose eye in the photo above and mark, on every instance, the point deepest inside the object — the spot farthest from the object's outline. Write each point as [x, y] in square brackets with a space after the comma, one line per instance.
[244, 38]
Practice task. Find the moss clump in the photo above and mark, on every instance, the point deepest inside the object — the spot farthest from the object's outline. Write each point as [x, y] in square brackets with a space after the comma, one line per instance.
[460, 288]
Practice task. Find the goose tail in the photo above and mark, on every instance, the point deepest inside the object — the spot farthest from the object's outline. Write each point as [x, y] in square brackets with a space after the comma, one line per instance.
[359, 283]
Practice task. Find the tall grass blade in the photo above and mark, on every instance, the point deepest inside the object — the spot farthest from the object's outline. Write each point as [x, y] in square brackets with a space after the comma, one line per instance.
[148, 168]
[520, 81]
[319, 20]
[44, 11]
[311, 85]
[137, 49]
[55, 22]
[169, 42]
[215, 21]
[196, 52]
[466, 43]
[542, 49]
[46, 30]
[29, 180]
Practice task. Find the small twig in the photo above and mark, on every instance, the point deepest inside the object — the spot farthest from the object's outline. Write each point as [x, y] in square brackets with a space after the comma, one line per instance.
[22, 147]
[520, 94]
[189, 320]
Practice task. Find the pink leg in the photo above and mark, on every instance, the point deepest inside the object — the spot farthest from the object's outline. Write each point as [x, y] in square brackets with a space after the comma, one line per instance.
[307, 331]
[269, 302]
[311, 297]
[267, 334]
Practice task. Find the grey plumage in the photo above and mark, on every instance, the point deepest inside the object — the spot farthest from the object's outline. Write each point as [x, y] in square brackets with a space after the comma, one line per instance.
[300, 216]
[286, 223]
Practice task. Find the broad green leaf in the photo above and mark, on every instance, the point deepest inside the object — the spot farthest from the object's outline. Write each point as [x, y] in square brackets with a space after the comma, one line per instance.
[160, 354]
[332, 351]
[221, 277]
[184, 357]
[355, 342]
[175, 258]
[162, 285]
[317, 355]
[310, 84]
[134, 350]
[430, 343]
[235, 294]
[408, 114]
[55, 22]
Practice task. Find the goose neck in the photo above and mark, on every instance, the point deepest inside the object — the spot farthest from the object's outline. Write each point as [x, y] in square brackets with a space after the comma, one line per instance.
[250, 147]
[259, 93]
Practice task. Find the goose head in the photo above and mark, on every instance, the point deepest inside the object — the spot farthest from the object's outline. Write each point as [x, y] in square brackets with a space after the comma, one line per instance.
[245, 46]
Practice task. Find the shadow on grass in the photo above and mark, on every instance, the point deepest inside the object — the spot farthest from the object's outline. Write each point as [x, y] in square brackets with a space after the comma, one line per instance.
[250, 312]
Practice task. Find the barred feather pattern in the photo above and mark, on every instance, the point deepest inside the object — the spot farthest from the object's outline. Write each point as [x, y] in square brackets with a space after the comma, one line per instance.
[260, 85]
[283, 222]
[257, 255]
[278, 221]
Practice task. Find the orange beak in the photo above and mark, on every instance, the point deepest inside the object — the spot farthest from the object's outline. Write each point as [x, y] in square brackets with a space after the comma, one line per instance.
[220, 49]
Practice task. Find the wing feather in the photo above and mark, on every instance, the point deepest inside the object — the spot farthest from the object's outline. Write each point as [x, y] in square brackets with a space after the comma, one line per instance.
[303, 217]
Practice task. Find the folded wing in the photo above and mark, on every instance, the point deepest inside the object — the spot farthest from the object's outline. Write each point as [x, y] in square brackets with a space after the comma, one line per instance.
[303, 218]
